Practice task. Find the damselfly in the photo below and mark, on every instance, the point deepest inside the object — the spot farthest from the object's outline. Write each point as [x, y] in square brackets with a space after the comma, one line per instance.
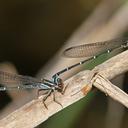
[11, 81]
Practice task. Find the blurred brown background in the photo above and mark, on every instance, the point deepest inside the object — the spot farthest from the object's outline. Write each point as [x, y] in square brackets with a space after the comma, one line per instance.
[32, 32]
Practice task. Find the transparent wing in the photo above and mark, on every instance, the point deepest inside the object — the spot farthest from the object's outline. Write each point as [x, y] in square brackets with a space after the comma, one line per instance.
[92, 49]
[14, 79]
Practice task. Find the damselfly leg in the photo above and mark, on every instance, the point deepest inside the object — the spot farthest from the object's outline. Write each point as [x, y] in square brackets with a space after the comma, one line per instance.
[45, 98]
[47, 94]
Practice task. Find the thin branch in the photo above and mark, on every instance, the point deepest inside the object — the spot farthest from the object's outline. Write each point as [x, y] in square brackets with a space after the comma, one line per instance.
[34, 113]
[111, 90]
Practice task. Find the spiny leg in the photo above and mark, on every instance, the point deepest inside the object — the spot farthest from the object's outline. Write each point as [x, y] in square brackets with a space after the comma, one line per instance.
[39, 90]
[54, 99]
[45, 98]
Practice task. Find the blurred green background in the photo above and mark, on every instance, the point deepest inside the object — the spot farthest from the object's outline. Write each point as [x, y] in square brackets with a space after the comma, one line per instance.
[31, 32]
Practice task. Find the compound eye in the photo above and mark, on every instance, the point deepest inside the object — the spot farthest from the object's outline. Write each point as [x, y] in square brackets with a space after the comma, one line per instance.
[59, 80]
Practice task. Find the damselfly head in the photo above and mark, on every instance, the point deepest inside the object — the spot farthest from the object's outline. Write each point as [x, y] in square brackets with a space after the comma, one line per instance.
[59, 86]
